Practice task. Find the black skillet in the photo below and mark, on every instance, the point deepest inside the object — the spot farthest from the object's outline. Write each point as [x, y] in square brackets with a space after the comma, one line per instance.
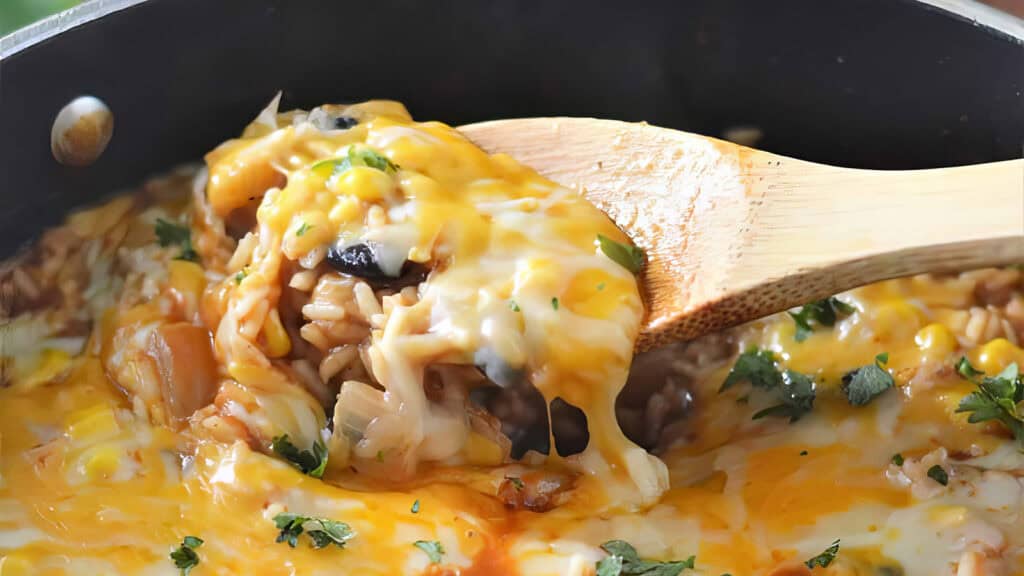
[868, 83]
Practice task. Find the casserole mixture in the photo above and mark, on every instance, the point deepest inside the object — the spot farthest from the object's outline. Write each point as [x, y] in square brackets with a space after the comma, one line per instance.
[352, 343]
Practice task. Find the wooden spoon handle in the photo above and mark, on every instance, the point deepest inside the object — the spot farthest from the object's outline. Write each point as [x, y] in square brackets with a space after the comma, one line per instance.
[733, 234]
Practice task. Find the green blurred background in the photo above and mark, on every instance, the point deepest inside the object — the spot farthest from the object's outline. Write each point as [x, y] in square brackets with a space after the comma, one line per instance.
[16, 13]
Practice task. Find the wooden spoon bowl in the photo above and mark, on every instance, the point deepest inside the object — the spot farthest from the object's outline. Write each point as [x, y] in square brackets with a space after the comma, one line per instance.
[733, 233]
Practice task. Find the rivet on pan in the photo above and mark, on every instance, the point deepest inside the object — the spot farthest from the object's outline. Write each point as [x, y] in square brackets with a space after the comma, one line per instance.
[81, 131]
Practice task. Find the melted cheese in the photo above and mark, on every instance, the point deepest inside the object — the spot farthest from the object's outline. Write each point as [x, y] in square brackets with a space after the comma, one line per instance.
[95, 480]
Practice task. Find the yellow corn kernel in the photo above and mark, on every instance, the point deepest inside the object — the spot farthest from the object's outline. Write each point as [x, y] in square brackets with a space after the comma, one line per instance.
[51, 363]
[347, 209]
[307, 231]
[93, 423]
[936, 341]
[482, 452]
[997, 354]
[948, 515]
[364, 183]
[278, 343]
[895, 320]
[186, 277]
[951, 397]
[101, 462]
[596, 294]
[424, 188]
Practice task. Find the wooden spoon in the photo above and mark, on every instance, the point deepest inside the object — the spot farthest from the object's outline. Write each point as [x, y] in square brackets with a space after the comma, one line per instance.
[733, 234]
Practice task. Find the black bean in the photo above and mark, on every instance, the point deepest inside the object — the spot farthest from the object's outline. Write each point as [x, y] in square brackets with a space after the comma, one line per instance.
[361, 260]
[569, 427]
[344, 122]
[356, 260]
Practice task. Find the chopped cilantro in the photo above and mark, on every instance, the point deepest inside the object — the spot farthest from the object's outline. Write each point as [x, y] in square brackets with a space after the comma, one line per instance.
[554, 303]
[609, 566]
[184, 556]
[415, 507]
[515, 307]
[754, 366]
[629, 257]
[312, 463]
[864, 384]
[433, 549]
[897, 459]
[803, 452]
[825, 558]
[996, 398]
[321, 531]
[240, 275]
[171, 234]
[355, 157]
[303, 229]
[796, 398]
[795, 390]
[623, 560]
[938, 473]
[823, 312]
[516, 482]
[600, 286]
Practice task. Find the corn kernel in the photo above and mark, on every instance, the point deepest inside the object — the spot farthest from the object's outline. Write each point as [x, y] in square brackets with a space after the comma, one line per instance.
[93, 423]
[998, 354]
[482, 452]
[50, 364]
[307, 231]
[936, 341]
[101, 462]
[186, 277]
[346, 209]
[364, 183]
[948, 515]
[278, 343]
[895, 320]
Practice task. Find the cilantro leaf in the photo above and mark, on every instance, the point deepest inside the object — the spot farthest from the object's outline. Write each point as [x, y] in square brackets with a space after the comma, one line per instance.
[184, 556]
[433, 549]
[609, 566]
[415, 507]
[897, 459]
[754, 366]
[628, 256]
[623, 559]
[996, 397]
[322, 531]
[355, 157]
[310, 463]
[516, 482]
[796, 399]
[171, 234]
[938, 473]
[822, 312]
[966, 371]
[303, 228]
[864, 384]
[825, 558]
[554, 303]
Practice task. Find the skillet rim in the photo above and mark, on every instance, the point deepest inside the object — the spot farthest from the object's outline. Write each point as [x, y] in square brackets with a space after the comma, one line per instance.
[993, 21]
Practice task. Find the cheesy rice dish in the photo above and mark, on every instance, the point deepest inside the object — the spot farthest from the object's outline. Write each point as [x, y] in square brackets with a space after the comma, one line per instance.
[353, 343]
